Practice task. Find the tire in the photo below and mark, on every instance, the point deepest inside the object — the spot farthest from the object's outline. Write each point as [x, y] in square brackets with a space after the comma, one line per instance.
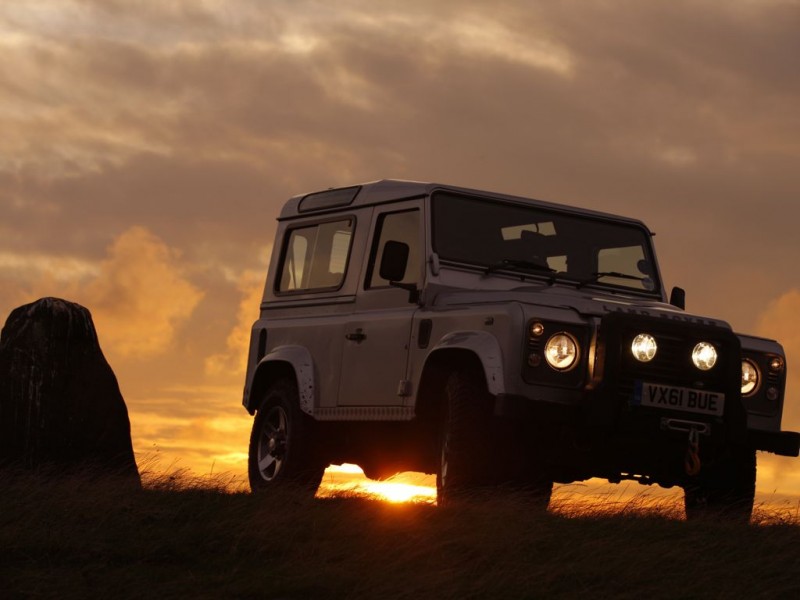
[281, 443]
[463, 442]
[724, 490]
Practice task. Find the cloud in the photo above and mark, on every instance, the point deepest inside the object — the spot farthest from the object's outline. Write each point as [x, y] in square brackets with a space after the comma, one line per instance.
[138, 293]
[781, 321]
[140, 296]
[194, 427]
[233, 361]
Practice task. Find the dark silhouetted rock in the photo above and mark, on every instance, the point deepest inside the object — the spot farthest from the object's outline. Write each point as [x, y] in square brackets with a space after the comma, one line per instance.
[60, 403]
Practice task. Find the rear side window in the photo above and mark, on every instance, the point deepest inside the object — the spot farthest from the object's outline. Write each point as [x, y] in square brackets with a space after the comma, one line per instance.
[315, 257]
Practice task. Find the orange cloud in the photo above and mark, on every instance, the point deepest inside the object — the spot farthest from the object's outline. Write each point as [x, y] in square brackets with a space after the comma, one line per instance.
[140, 296]
[201, 444]
[781, 321]
[234, 360]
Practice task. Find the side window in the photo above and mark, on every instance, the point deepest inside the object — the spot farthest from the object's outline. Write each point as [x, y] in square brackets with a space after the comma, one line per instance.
[399, 227]
[315, 257]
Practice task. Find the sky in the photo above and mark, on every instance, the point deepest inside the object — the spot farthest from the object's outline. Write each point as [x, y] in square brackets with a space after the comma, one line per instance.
[147, 148]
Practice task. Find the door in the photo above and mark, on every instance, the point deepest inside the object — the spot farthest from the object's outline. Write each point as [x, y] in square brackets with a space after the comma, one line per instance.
[314, 295]
[377, 335]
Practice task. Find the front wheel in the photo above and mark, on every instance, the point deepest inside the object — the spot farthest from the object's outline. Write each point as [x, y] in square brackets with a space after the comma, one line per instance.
[281, 443]
[725, 489]
[463, 438]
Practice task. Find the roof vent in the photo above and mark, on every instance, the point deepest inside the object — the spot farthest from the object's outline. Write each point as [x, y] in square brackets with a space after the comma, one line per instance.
[328, 199]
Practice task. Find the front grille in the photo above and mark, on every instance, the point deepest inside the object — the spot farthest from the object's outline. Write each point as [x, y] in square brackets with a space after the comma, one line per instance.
[672, 364]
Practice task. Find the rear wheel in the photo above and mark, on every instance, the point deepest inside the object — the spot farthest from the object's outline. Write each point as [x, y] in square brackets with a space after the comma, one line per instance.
[281, 443]
[725, 489]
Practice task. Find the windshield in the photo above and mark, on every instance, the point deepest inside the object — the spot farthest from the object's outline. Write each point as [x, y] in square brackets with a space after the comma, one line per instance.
[498, 236]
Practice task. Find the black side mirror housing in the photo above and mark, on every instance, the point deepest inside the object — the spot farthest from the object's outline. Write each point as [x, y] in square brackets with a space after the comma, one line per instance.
[393, 268]
[394, 261]
[678, 298]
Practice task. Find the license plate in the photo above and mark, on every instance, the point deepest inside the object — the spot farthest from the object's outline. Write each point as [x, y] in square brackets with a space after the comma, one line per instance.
[678, 398]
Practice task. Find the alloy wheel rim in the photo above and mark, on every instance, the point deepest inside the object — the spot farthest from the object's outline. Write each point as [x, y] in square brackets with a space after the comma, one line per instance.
[272, 443]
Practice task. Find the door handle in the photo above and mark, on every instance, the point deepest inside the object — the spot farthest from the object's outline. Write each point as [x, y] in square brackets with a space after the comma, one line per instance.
[357, 336]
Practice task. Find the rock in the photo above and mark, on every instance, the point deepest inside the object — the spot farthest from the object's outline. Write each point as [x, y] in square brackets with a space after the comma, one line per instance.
[60, 403]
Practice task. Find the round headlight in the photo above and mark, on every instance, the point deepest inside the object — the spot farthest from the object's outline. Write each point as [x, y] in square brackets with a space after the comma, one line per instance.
[644, 347]
[704, 356]
[749, 377]
[561, 351]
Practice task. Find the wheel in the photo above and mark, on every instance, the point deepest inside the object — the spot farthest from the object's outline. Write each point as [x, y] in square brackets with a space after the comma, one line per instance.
[725, 489]
[463, 438]
[281, 443]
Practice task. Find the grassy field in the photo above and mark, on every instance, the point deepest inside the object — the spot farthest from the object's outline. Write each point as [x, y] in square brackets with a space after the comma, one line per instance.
[178, 538]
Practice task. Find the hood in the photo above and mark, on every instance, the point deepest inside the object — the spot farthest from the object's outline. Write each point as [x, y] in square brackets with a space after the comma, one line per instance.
[586, 302]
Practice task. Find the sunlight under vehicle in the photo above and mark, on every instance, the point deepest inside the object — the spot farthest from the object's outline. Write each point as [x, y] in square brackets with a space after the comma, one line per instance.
[499, 343]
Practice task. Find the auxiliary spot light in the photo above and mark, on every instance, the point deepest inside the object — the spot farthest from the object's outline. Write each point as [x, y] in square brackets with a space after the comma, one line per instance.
[644, 347]
[704, 356]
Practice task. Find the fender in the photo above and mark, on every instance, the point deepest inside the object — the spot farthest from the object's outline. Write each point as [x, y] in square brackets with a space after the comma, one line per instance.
[486, 347]
[755, 347]
[298, 358]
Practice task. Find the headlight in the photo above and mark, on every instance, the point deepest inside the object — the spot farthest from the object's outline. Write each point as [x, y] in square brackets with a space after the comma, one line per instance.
[561, 351]
[704, 356]
[749, 377]
[644, 347]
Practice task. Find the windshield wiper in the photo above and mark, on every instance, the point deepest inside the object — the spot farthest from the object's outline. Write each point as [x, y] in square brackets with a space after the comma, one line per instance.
[596, 276]
[511, 263]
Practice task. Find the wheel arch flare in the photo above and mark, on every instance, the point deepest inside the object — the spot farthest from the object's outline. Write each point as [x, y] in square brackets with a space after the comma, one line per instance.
[285, 361]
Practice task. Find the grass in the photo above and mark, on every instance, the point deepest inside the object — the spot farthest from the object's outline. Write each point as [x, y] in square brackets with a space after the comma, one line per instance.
[179, 537]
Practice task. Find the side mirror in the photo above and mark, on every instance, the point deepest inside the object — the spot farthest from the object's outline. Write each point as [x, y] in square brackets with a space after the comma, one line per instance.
[394, 261]
[393, 268]
[678, 298]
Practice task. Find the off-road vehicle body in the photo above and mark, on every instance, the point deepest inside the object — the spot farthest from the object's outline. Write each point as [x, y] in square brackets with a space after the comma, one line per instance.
[497, 340]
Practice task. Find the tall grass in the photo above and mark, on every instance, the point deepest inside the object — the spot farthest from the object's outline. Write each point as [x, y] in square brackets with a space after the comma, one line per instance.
[180, 537]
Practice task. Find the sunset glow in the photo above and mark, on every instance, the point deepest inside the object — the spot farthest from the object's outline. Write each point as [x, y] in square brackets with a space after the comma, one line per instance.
[147, 149]
[405, 487]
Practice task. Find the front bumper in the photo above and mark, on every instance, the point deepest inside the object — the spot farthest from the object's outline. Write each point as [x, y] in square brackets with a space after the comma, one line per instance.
[521, 408]
[784, 443]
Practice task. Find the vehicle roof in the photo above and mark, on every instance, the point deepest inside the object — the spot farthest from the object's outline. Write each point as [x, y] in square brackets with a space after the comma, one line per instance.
[388, 190]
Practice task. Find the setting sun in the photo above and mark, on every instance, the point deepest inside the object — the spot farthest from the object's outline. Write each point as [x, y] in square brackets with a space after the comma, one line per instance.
[349, 479]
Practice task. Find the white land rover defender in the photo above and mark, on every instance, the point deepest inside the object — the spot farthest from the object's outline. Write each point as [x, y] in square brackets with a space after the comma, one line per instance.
[497, 341]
